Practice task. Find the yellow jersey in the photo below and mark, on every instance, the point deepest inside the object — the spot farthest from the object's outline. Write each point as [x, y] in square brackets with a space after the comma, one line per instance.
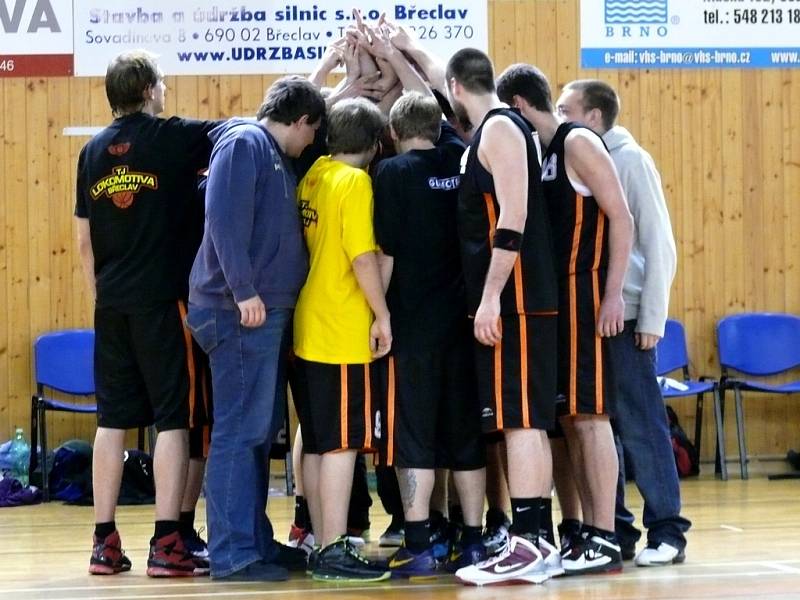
[333, 318]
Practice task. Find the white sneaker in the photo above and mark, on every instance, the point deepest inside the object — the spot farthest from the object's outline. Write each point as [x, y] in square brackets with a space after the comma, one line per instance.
[658, 555]
[520, 562]
[552, 558]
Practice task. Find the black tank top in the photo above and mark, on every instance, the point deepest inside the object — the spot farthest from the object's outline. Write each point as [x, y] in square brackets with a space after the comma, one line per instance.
[580, 227]
[531, 286]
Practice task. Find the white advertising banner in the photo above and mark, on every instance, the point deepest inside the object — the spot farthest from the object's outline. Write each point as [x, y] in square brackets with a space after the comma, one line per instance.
[653, 34]
[36, 37]
[257, 36]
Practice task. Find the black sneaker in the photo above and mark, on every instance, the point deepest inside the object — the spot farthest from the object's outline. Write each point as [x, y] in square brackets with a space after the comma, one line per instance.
[571, 537]
[599, 555]
[292, 559]
[394, 535]
[313, 557]
[341, 561]
[495, 536]
[257, 571]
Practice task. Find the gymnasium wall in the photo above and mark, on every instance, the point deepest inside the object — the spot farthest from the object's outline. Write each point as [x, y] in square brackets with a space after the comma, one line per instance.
[727, 144]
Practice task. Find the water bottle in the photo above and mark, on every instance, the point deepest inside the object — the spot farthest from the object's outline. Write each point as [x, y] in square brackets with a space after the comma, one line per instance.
[20, 456]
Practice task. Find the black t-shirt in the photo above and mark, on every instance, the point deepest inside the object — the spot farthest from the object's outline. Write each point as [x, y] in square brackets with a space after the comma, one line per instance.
[416, 199]
[136, 179]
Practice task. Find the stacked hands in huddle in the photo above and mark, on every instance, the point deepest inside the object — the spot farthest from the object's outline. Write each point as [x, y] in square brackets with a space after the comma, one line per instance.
[372, 57]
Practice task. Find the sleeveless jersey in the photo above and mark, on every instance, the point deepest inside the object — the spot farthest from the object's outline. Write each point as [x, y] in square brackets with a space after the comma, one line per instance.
[580, 228]
[531, 287]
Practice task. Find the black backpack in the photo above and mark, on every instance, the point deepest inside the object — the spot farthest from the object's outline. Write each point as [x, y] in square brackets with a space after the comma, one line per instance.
[686, 459]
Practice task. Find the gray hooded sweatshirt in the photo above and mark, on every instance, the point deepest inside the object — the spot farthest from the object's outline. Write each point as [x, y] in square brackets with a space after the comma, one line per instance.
[653, 259]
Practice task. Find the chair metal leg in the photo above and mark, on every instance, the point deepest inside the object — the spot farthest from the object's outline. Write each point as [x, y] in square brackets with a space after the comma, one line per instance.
[740, 433]
[698, 423]
[34, 458]
[43, 437]
[719, 400]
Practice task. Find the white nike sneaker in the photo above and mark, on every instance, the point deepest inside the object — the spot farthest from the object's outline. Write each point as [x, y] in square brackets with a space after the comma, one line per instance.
[658, 555]
[552, 558]
[520, 562]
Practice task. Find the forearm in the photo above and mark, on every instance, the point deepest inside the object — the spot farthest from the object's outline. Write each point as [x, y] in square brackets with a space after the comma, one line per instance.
[620, 237]
[320, 73]
[87, 263]
[431, 67]
[408, 75]
[500, 267]
[369, 280]
[386, 266]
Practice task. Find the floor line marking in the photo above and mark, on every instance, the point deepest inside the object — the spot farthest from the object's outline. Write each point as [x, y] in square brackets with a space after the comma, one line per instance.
[731, 528]
[570, 582]
[780, 567]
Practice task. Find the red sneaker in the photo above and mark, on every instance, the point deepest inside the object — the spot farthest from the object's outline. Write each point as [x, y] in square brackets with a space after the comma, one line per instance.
[107, 556]
[169, 557]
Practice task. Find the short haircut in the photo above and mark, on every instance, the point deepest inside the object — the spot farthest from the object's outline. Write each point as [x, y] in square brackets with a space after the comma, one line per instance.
[128, 76]
[354, 126]
[600, 95]
[527, 82]
[415, 115]
[289, 98]
[472, 69]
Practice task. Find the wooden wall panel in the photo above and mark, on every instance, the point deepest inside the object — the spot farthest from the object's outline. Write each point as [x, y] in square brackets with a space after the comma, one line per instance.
[727, 144]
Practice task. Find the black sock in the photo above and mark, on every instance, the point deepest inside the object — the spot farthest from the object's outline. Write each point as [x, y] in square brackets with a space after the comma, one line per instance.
[495, 517]
[609, 536]
[456, 515]
[437, 520]
[418, 536]
[525, 516]
[302, 518]
[164, 528]
[103, 530]
[546, 521]
[187, 522]
[470, 535]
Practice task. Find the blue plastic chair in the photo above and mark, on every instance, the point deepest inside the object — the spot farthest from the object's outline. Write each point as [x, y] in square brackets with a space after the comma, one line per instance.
[760, 345]
[63, 361]
[671, 355]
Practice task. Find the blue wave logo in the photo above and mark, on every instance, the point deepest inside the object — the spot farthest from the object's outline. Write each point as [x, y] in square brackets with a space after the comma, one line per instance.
[634, 12]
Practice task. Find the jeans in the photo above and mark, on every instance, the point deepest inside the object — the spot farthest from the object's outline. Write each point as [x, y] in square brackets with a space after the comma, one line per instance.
[641, 428]
[248, 367]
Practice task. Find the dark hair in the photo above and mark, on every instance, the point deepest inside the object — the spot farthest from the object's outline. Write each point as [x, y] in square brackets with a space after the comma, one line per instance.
[600, 95]
[128, 76]
[415, 115]
[472, 69]
[354, 126]
[527, 82]
[289, 98]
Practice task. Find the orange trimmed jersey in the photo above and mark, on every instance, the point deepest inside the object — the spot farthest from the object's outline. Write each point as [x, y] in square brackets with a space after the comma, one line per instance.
[580, 228]
[531, 287]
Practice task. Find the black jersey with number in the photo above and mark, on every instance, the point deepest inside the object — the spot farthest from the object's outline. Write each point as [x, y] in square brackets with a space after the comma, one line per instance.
[531, 286]
[135, 179]
[580, 228]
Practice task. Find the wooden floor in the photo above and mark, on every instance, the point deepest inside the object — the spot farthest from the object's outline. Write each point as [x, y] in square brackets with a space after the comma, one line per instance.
[745, 543]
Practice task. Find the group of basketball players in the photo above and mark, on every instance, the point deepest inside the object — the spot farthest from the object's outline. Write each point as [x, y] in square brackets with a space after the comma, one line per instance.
[463, 289]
